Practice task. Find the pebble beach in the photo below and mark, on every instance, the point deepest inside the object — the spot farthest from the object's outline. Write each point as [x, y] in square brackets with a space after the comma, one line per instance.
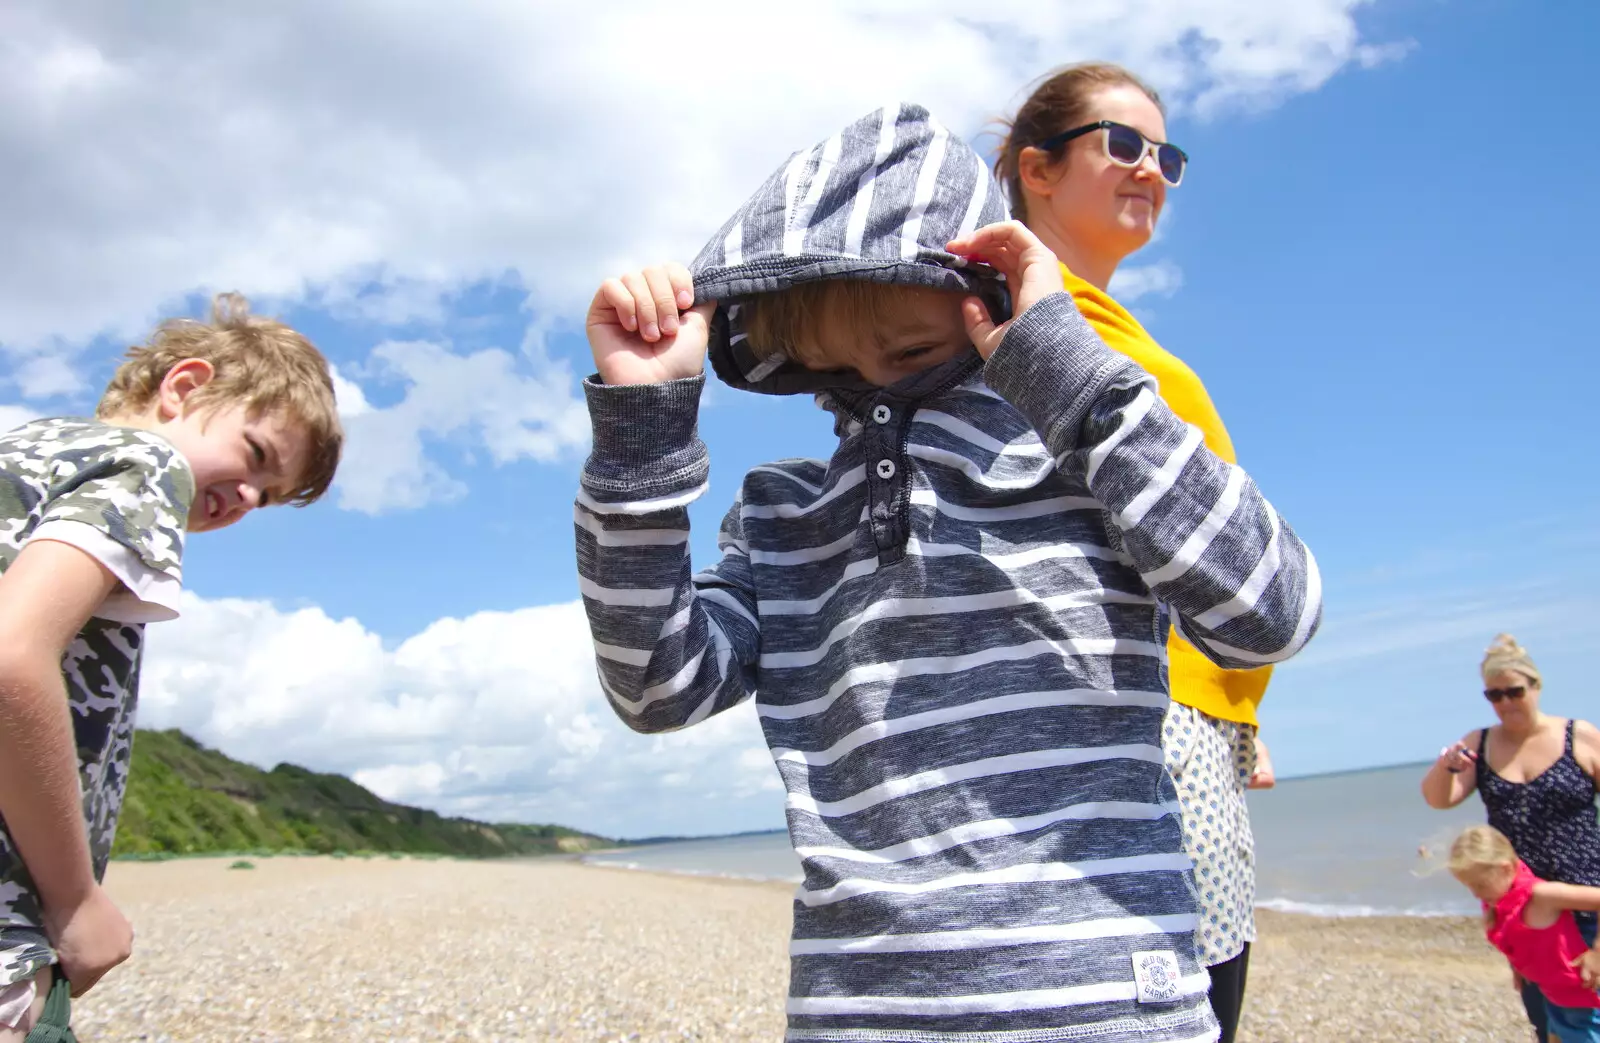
[409, 949]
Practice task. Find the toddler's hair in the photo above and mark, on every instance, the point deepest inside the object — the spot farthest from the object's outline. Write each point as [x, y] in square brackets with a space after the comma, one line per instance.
[258, 363]
[1504, 656]
[1479, 848]
[799, 321]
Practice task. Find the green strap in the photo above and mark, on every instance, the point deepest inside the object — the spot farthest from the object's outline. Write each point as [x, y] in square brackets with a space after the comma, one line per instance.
[54, 1025]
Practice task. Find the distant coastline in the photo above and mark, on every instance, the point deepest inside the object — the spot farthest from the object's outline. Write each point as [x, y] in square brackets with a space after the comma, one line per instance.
[1282, 780]
[649, 841]
[1419, 765]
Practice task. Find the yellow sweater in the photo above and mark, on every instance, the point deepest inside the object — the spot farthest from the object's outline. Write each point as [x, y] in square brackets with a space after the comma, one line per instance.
[1195, 680]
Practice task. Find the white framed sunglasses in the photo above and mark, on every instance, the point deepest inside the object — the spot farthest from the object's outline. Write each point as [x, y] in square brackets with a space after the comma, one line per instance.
[1127, 147]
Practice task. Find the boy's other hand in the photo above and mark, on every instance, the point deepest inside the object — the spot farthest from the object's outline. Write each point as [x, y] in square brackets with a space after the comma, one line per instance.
[643, 330]
[90, 938]
[1031, 270]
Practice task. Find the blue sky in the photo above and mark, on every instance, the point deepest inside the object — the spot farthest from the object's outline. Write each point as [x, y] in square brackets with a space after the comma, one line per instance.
[1376, 264]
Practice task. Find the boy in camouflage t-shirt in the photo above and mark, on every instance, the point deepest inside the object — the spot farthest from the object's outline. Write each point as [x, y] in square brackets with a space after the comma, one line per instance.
[199, 426]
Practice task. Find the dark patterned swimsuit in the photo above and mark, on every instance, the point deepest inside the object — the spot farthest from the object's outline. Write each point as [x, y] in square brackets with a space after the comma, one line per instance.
[1550, 820]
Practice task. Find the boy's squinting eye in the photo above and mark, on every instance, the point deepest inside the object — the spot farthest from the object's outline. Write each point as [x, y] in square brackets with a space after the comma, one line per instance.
[259, 454]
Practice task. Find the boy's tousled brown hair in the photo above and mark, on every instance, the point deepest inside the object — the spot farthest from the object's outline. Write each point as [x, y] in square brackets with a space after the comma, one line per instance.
[258, 363]
[796, 322]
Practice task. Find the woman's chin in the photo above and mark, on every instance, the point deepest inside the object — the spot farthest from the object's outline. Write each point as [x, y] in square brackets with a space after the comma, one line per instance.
[1134, 235]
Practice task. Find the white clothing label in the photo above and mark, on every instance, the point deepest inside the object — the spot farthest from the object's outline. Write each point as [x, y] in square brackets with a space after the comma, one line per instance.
[1155, 976]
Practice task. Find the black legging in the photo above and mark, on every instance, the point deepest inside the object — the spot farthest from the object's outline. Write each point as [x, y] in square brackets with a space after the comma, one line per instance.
[1227, 991]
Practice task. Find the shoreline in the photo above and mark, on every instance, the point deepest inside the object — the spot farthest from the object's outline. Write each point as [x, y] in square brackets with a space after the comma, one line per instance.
[1272, 906]
[545, 948]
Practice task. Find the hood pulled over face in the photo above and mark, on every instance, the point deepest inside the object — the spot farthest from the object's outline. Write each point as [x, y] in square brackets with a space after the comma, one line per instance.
[877, 201]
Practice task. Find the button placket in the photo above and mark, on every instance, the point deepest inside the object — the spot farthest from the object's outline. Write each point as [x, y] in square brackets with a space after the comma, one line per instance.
[886, 479]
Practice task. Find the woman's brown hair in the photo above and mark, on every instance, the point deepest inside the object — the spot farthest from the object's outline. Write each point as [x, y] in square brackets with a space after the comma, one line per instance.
[1061, 102]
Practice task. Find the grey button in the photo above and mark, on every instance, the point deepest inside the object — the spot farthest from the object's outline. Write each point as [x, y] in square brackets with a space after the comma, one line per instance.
[886, 469]
[881, 414]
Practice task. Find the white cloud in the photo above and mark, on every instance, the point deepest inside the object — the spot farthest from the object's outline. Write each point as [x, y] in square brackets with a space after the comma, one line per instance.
[497, 716]
[370, 161]
[348, 396]
[15, 416]
[1161, 279]
[1370, 56]
[488, 398]
[306, 150]
[1402, 622]
[404, 783]
[44, 376]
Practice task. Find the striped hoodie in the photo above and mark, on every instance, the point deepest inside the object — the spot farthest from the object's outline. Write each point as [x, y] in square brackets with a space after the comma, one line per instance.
[953, 630]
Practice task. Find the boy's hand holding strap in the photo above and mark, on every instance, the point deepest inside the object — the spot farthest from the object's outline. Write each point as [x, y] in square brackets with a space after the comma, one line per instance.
[1031, 270]
[643, 329]
[55, 1023]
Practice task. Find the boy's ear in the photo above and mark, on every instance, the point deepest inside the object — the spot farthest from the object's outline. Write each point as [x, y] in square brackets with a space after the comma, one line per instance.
[181, 381]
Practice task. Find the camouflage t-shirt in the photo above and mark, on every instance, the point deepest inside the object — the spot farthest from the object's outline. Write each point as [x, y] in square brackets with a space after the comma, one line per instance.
[122, 496]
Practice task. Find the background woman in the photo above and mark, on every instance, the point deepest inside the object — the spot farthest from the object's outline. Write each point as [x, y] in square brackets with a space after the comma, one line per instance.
[1087, 166]
[1537, 775]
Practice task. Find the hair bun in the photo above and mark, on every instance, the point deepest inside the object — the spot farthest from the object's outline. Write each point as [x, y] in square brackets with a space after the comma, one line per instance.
[1504, 654]
[1504, 644]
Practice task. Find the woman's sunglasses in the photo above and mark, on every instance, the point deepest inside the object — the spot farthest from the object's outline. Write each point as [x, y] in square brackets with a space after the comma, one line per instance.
[1494, 695]
[1127, 147]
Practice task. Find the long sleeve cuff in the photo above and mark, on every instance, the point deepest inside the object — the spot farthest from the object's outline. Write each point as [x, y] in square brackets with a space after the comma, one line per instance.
[646, 440]
[1052, 365]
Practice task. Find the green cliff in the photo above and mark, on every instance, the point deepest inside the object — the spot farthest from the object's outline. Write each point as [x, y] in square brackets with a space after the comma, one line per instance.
[186, 799]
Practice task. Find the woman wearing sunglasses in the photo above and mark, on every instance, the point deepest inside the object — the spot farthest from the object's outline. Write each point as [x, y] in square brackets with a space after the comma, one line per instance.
[1087, 165]
[1536, 775]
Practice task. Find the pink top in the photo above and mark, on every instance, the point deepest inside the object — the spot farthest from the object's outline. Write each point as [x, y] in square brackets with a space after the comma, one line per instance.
[1541, 955]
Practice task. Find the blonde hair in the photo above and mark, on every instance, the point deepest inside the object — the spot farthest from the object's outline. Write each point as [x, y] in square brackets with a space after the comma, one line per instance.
[1061, 101]
[1504, 655]
[798, 322]
[1480, 848]
[257, 363]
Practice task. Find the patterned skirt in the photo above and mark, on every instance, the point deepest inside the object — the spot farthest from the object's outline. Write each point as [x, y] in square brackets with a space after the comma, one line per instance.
[1211, 761]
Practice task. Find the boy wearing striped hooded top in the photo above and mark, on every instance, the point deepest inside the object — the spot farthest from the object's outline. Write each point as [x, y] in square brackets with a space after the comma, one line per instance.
[953, 630]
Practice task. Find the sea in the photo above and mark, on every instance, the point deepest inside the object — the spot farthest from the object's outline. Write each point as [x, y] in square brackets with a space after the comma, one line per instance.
[1359, 843]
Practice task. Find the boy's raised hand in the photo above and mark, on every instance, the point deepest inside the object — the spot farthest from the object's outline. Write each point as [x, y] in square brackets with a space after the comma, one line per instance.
[1031, 270]
[643, 329]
